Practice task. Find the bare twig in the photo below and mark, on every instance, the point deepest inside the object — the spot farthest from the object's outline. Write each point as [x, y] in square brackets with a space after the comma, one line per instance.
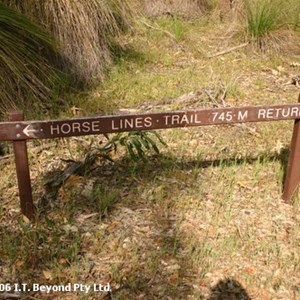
[9, 296]
[159, 29]
[228, 50]
[212, 99]
[6, 158]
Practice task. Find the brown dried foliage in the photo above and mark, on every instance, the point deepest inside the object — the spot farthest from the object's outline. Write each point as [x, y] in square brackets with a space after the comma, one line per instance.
[83, 28]
[188, 8]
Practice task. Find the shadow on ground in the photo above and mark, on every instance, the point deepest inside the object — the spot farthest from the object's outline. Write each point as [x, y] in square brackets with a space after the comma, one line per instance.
[228, 289]
[124, 172]
[36, 248]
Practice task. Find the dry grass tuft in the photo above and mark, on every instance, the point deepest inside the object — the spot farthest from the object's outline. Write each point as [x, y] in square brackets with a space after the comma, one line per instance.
[85, 30]
[188, 8]
[285, 41]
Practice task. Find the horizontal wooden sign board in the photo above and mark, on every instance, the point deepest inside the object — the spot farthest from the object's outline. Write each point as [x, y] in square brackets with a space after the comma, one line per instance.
[19, 131]
[138, 122]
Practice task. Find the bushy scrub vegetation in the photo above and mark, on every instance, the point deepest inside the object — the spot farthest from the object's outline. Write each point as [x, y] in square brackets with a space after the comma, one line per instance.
[23, 67]
[83, 31]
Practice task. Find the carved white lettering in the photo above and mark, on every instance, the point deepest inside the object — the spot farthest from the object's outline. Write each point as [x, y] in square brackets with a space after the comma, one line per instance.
[54, 130]
[86, 127]
[167, 118]
[131, 123]
[148, 122]
[139, 123]
[242, 115]
[274, 113]
[261, 113]
[95, 126]
[277, 110]
[76, 127]
[181, 120]
[66, 128]
[114, 126]
[270, 113]
[295, 112]
[175, 120]
[197, 121]
[286, 112]
[184, 119]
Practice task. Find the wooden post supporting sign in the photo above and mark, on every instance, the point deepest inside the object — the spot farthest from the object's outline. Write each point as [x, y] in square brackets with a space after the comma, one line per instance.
[292, 178]
[22, 168]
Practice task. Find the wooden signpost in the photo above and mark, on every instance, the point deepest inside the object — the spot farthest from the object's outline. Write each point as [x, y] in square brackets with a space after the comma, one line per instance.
[19, 131]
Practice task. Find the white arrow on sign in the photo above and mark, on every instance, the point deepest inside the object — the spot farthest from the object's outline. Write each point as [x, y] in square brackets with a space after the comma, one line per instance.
[29, 131]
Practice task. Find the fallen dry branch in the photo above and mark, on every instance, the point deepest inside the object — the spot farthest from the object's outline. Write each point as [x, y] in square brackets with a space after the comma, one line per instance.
[229, 50]
[159, 29]
[9, 296]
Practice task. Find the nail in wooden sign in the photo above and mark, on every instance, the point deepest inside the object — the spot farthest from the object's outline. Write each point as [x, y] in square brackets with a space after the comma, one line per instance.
[18, 131]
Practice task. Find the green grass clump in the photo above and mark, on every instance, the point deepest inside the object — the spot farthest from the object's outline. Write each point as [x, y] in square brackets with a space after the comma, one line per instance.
[295, 14]
[263, 17]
